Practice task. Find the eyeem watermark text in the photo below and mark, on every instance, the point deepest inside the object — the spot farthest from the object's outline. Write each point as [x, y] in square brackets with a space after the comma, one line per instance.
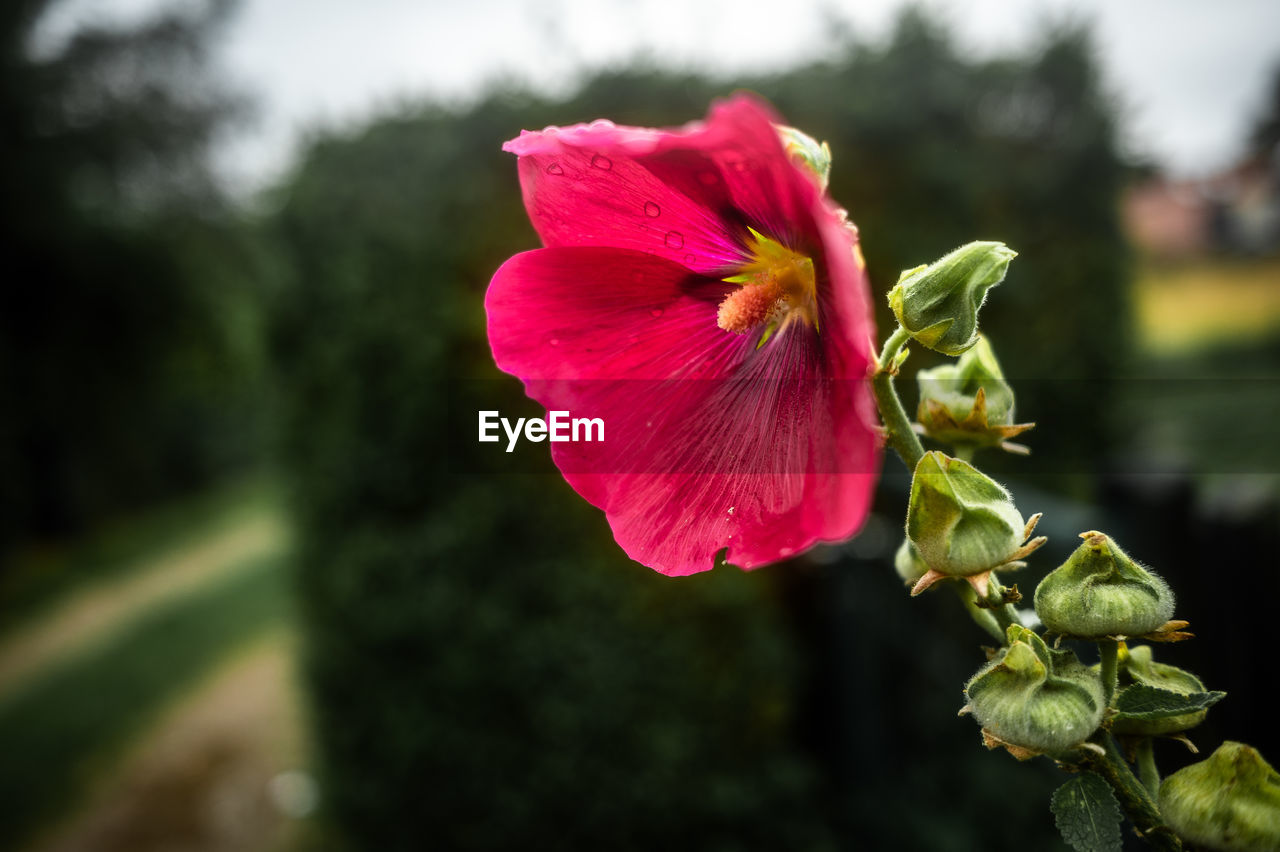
[558, 427]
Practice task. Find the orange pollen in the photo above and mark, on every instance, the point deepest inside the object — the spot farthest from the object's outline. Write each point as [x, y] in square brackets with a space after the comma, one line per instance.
[749, 306]
[778, 287]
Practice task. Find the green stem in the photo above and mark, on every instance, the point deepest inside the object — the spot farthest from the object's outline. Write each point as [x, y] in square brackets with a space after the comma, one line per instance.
[898, 432]
[964, 452]
[1004, 613]
[1109, 649]
[1147, 766]
[982, 616]
[1134, 798]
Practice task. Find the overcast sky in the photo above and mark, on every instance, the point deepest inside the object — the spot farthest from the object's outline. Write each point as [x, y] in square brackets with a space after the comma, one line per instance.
[1191, 72]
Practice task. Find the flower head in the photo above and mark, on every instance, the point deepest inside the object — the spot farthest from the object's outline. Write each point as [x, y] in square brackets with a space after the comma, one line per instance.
[1100, 591]
[968, 403]
[938, 303]
[1229, 801]
[1032, 699]
[964, 524]
[700, 294]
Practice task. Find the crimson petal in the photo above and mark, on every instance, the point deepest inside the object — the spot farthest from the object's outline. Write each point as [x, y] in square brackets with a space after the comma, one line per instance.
[708, 442]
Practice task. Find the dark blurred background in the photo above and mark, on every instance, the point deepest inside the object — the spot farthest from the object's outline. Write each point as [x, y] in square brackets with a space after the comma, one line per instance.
[255, 595]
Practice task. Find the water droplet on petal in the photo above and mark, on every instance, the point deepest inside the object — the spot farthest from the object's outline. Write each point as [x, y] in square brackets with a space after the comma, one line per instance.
[690, 258]
[656, 312]
[785, 551]
[674, 239]
[555, 341]
[555, 169]
[600, 161]
[652, 210]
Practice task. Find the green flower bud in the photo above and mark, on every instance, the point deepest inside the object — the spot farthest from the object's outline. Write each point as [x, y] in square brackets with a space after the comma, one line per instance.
[1230, 802]
[1035, 699]
[968, 402]
[963, 523]
[938, 303]
[1099, 591]
[805, 151]
[908, 564]
[1139, 667]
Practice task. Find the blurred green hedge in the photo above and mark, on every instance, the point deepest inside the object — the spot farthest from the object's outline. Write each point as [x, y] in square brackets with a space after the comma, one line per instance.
[489, 670]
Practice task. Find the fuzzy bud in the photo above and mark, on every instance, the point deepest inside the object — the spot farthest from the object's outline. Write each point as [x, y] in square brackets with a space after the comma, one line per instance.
[1138, 666]
[1099, 591]
[1036, 699]
[938, 303]
[908, 564]
[1229, 802]
[962, 522]
[968, 402]
[808, 153]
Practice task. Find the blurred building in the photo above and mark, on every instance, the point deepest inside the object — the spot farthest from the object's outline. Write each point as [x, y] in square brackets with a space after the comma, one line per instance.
[1236, 211]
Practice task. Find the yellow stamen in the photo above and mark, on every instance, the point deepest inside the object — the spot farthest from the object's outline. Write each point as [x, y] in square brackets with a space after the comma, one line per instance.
[778, 287]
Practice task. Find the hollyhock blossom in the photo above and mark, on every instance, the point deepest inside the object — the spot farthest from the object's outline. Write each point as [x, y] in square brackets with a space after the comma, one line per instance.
[699, 294]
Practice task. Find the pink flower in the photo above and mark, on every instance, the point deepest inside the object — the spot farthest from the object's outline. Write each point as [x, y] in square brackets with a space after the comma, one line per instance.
[700, 295]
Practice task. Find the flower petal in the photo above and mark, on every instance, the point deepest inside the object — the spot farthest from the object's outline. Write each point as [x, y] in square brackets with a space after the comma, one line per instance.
[688, 194]
[590, 192]
[775, 195]
[844, 302]
[710, 440]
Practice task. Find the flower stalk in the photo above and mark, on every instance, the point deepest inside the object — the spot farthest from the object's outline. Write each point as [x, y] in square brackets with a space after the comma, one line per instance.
[898, 432]
[1109, 650]
[991, 609]
[1004, 613]
[1133, 796]
[1146, 758]
[983, 616]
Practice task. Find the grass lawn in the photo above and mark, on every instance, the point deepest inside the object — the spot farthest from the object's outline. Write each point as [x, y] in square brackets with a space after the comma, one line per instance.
[1206, 302]
[1204, 393]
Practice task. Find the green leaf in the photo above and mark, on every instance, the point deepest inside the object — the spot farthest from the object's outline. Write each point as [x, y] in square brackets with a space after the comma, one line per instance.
[1141, 701]
[1087, 814]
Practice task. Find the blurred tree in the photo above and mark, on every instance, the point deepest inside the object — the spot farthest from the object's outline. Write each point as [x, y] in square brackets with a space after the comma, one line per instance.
[123, 347]
[1264, 137]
